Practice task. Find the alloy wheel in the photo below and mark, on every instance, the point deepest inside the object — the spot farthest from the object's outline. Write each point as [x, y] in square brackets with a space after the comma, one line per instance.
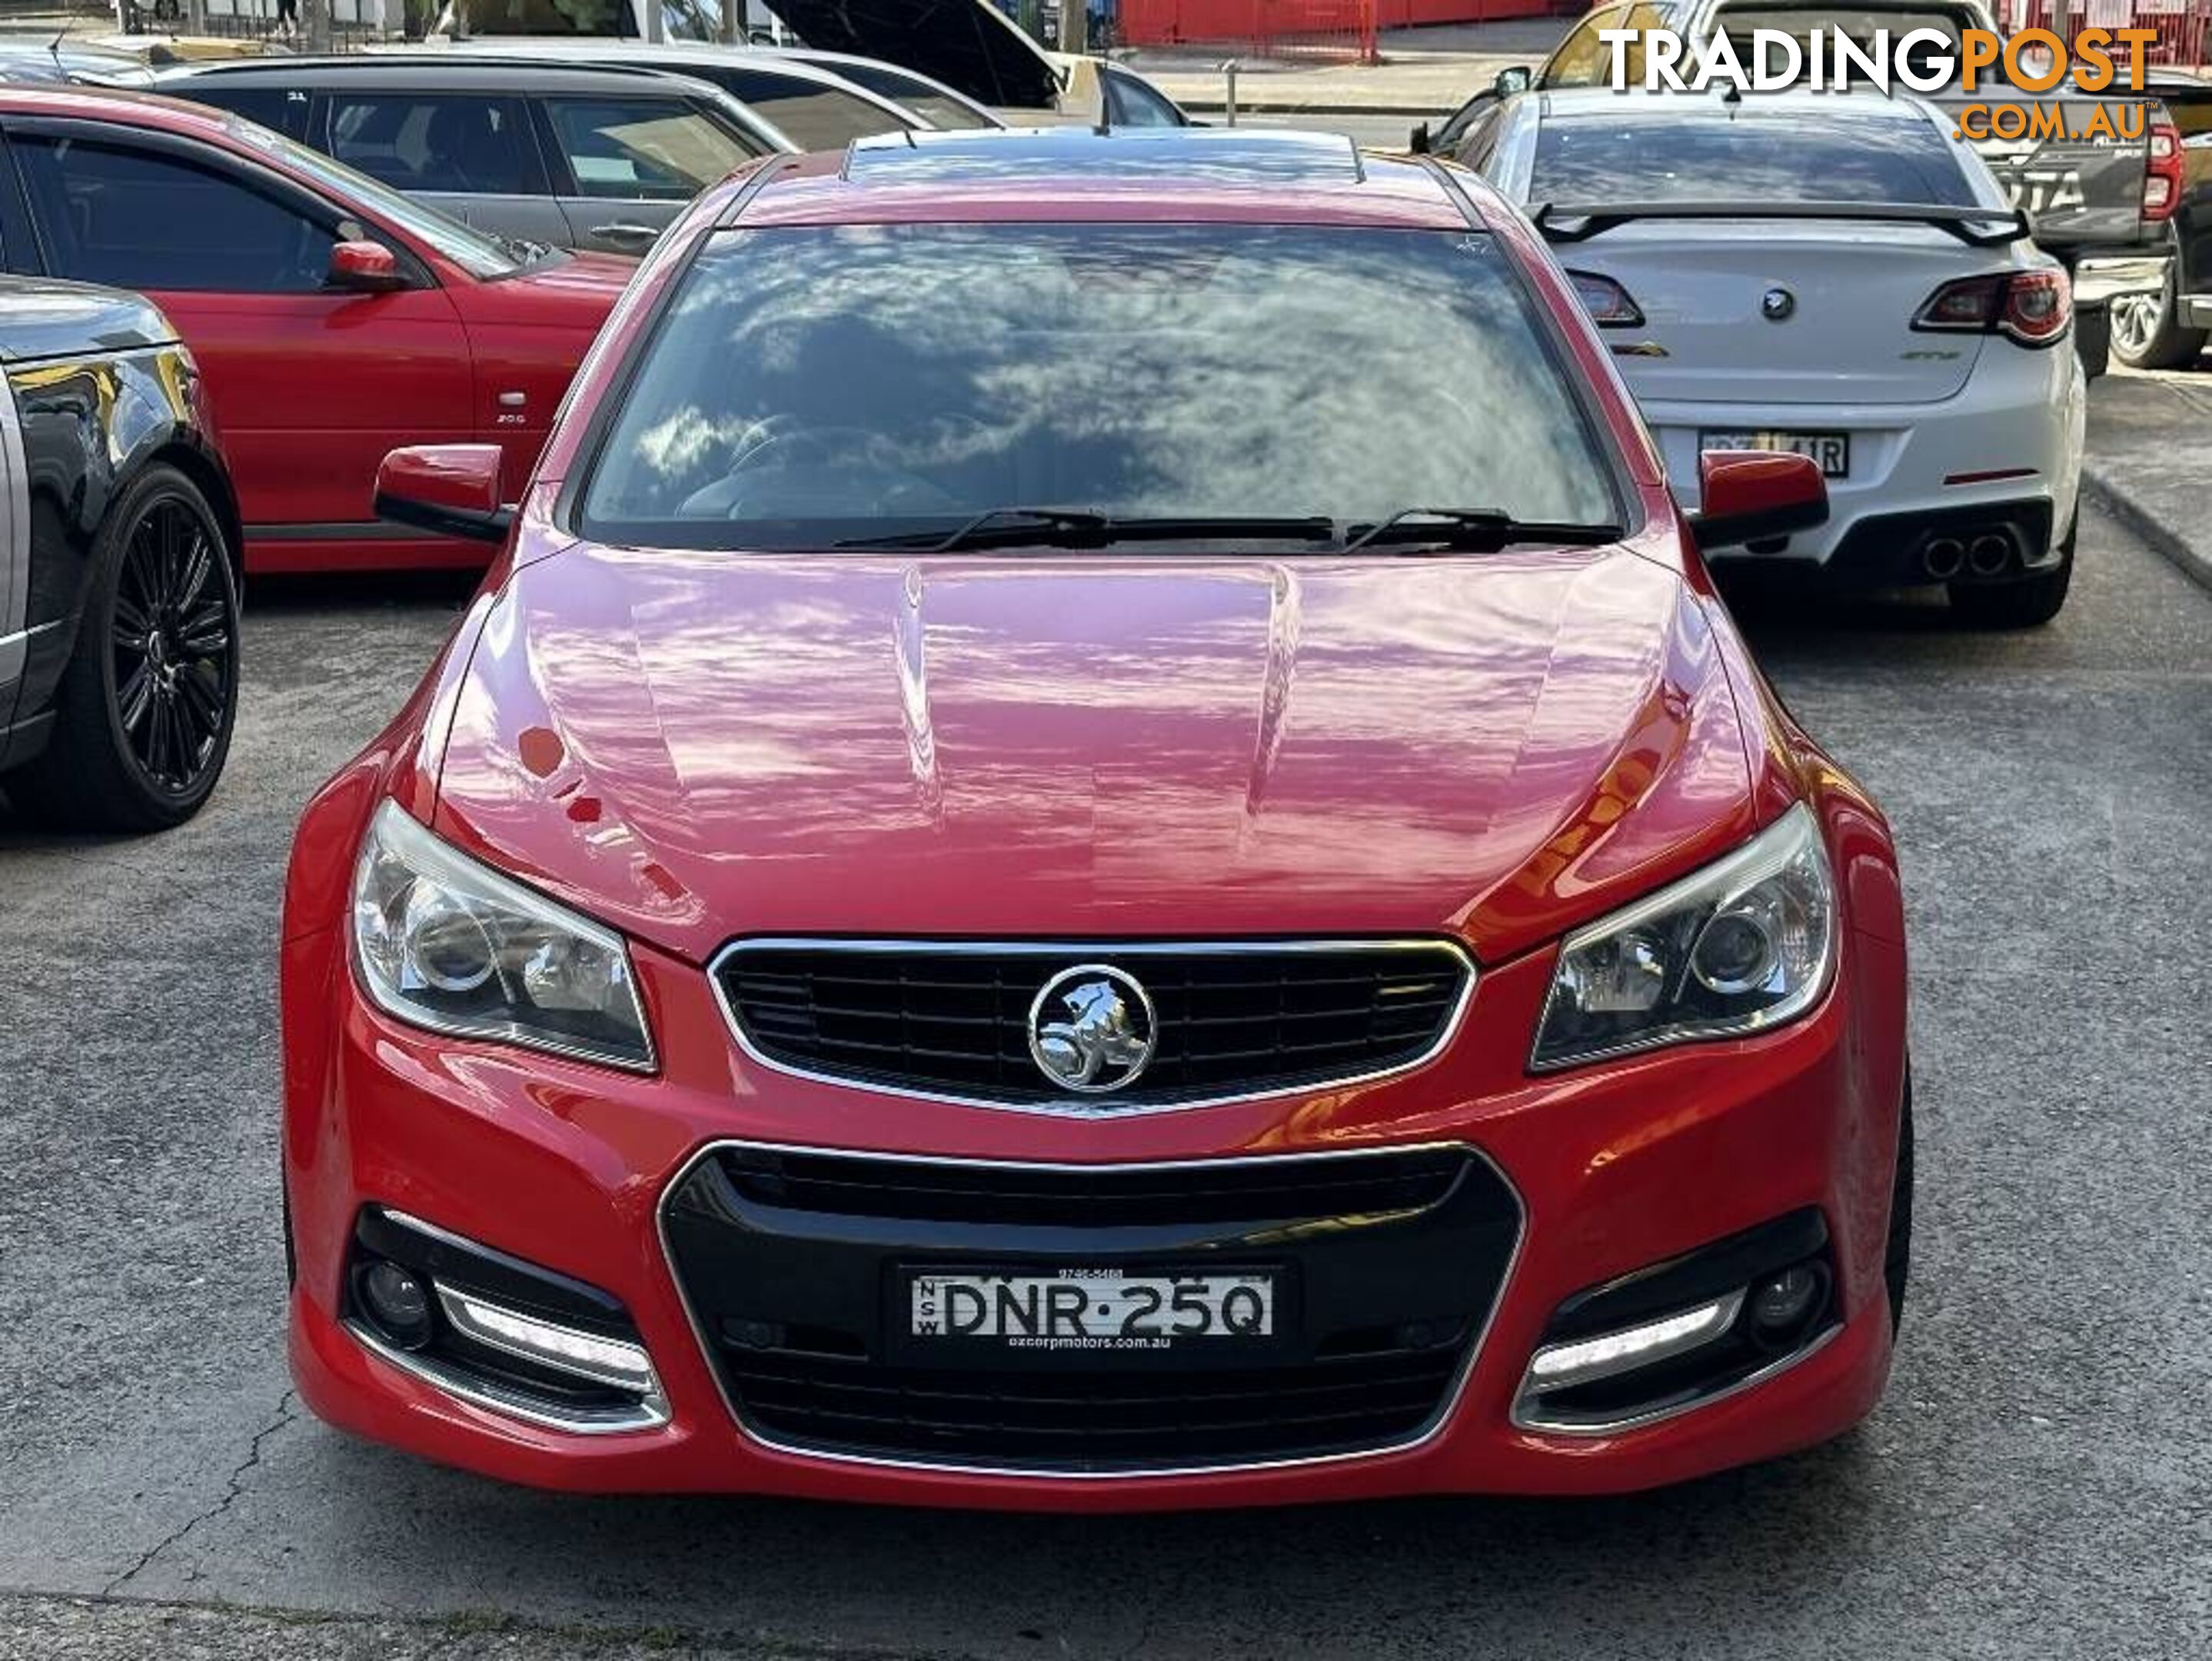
[173, 640]
[2136, 320]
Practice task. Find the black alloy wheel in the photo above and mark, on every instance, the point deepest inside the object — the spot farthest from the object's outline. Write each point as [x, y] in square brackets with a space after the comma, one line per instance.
[143, 714]
[173, 635]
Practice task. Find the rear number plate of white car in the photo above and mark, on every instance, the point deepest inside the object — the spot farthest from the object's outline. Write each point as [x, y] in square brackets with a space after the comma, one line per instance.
[1089, 1309]
[1831, 451]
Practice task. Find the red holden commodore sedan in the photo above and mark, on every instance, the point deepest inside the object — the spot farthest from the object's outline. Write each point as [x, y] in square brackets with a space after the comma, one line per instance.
[1098, 844]
[331, 318]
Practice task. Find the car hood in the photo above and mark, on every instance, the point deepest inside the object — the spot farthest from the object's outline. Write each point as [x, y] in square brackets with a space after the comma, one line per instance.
[966, 43]
[599, 278]
[696, 746]
[41, 319]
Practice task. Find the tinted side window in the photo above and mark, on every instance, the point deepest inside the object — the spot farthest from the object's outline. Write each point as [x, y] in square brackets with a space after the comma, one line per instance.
[1480, 142]
[465, 143]
[1582, 59]
[139, 219]
[1136, 105]
[282, 108]
[812, 116]
[646, 148]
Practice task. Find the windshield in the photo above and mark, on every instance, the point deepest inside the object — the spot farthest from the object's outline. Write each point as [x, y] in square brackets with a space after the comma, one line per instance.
[479, 255]
[1799, 157]
[812, 387]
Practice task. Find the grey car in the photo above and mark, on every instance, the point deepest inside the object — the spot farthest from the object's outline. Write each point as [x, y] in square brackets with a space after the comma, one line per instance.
[600, 158]
[811, 107]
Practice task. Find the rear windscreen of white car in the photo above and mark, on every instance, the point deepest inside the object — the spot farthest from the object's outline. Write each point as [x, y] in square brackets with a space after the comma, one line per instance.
[945, 113]
[810, 386]
[1744, 158]
[814, 115]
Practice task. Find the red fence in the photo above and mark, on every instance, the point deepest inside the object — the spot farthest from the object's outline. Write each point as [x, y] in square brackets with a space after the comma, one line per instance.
[1405, 14]
[1258, 28]
[1290, 28]
[2185, 26]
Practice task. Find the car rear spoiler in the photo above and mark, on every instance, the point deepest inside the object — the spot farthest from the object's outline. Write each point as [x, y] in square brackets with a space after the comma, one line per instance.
[1977, 228]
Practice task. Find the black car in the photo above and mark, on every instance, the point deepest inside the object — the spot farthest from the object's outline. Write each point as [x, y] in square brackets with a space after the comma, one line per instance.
[119, 565]
[2168, 328]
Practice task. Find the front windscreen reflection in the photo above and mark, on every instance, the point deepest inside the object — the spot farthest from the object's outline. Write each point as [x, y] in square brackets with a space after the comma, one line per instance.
[816, 386]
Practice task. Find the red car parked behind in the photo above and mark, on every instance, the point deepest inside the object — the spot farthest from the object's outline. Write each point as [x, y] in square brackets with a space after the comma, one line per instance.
[1098, 844]
[332, 318]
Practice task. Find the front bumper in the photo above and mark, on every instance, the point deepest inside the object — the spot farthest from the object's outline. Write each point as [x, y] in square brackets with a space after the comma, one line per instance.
[1611, 1168]
[2006, 449]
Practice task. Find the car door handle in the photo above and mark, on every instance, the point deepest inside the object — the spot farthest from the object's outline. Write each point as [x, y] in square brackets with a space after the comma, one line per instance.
[629, 238]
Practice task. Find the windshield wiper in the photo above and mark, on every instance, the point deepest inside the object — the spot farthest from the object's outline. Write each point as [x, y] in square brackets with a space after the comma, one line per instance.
[1469, 530]
[1087, 527]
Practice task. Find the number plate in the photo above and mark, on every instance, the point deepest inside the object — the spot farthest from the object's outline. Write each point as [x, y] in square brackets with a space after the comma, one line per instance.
[1088, 1309]
[1832, 451]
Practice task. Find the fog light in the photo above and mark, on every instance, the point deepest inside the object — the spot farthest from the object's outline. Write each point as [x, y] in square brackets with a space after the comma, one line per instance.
[585, 1354]
[1562, 1366]
[1781, 1301]
[398, 1303]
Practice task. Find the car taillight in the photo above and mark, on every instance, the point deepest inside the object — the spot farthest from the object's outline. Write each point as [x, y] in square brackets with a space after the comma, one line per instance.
[1606, 300]
[2033, 307]
[2162, 181]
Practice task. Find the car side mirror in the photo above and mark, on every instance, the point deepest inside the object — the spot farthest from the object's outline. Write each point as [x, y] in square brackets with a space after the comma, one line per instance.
[452, 490]
[364, 268]
[1418, 142]
[1509, 82]
[1749, 496]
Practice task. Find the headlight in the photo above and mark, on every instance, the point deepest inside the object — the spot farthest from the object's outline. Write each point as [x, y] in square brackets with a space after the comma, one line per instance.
[449, 944]
[1744, 944]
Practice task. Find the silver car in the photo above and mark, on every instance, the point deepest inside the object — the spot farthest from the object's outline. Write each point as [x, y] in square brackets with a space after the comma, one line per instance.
[810, 108]
[601, 157]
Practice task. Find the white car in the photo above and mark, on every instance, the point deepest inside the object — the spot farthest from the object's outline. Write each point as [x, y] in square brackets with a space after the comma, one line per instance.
[1838, 276]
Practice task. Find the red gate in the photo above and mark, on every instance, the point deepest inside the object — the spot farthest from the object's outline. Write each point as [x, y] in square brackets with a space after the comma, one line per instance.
[2185, 26]
[1258, 28]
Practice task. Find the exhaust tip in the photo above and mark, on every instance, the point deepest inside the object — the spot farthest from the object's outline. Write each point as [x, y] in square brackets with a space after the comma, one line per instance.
[1990, 555]
[1943, 558]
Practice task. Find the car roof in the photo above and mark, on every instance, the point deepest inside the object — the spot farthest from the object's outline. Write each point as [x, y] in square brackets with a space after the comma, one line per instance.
[699, 59]
[128, 106]
[1079, 173]
[586, 49]
[40, 45]
[452, 72]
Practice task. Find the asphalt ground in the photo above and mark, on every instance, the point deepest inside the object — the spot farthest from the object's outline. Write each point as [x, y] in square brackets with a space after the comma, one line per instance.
[2034, 1483]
